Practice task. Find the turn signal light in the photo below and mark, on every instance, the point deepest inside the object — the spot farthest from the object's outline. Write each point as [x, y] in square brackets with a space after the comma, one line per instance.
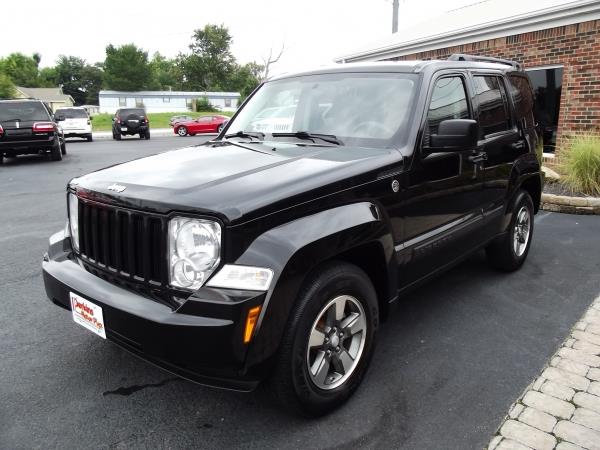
[43, 127]
[251, 323]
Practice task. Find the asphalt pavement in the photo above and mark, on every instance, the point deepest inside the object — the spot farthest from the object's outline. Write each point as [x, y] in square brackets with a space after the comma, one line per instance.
[451, 359]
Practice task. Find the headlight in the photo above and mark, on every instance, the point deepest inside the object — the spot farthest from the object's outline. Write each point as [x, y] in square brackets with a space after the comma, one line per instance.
[194, 251]
[74, 220]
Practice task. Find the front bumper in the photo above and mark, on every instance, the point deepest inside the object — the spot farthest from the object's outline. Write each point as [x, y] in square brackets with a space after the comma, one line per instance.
[202, 340]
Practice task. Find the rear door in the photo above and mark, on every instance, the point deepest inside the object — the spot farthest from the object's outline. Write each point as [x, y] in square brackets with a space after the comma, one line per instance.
[441, 209]
[499, 139]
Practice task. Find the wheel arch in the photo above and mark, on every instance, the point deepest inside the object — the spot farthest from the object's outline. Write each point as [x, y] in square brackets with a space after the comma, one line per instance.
[352, 233]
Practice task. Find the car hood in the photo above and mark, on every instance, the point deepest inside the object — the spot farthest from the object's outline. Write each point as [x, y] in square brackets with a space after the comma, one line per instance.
[234, 181]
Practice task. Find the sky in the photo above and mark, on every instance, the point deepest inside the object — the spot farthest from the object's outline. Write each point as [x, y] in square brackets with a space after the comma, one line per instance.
[312, 31]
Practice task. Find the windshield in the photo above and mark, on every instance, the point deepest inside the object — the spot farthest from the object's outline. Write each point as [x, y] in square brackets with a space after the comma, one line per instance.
[72, 113]
[364, 109]
[22, 111]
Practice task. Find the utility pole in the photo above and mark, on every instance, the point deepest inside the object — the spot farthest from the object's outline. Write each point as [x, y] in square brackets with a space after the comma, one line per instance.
[395, 17]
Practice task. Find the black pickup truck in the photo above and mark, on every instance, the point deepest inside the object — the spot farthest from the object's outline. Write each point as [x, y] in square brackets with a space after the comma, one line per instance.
[274, 252]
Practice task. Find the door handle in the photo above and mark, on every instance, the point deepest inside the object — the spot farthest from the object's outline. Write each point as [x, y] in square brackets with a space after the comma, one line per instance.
[520, 145]
[478, 158]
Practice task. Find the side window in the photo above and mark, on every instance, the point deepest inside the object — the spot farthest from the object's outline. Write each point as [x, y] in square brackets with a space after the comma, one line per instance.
[522, 96]
[122, 101]
[448, 101]
[493, 107]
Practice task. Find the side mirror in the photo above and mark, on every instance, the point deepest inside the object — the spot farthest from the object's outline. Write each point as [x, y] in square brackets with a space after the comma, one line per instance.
[91, 117]
[454, 135]
[59, 118]
[114, 118]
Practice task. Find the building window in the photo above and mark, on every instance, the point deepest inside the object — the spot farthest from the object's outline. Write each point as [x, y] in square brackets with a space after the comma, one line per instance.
[547, 86]
[139, 103]
[122, 101]
[493, 107]
[227, 103]
[166, 100]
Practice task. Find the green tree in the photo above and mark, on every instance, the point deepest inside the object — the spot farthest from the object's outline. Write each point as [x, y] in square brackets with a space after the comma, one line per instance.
[78, 79]
[7, 88]
[166, 73]
[211, 61]
[126, 68]
[47, 77]
[21, 69]
[244, 79]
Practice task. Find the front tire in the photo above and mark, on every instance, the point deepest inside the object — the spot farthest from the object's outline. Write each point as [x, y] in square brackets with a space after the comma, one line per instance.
[508, 253]
[329, 340]
[182, 131]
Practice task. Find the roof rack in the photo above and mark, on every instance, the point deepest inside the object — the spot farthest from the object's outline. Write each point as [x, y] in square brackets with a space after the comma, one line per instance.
[463, 57]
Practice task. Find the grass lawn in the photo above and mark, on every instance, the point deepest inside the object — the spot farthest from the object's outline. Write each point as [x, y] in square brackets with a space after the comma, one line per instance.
[103, 122]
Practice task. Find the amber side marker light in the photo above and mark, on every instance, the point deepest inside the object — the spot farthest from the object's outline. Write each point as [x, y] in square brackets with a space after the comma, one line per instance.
[251, 323]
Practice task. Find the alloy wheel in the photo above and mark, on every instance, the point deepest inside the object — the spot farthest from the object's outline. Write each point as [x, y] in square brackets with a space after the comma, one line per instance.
[336, 342]
[522, 231]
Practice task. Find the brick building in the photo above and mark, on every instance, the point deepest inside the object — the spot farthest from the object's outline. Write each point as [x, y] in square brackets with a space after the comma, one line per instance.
[558, 43]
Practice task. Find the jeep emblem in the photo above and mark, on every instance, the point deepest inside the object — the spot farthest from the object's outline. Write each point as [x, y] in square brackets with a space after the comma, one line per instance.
[116, 187]
[395, 186]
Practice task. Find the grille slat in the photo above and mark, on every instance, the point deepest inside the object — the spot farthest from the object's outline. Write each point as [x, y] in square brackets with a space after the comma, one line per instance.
[126, 242]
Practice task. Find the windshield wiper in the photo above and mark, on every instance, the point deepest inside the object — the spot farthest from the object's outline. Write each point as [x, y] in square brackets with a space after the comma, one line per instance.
[332, 139]
[246, 134]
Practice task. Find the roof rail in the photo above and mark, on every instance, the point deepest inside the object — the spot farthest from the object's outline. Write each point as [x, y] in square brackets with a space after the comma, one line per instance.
[463, 57]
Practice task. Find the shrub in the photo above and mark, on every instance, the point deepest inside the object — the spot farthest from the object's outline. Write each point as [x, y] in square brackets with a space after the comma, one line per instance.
[581, 165]
[203, 105]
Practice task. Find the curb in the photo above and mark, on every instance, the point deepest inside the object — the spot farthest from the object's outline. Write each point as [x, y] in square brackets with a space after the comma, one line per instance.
[570, 205]
[154, 132]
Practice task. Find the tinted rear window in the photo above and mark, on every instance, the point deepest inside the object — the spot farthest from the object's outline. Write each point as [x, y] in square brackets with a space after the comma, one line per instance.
[130, 111]
[71, 113]
[22, 111]
[522, 95]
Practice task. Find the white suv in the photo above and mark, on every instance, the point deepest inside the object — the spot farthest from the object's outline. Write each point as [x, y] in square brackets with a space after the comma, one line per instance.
[75, 122]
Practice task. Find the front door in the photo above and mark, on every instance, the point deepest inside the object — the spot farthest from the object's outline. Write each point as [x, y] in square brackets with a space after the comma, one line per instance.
[441, 206]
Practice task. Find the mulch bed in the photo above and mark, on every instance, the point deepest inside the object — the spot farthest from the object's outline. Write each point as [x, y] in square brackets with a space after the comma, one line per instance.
[558, 188]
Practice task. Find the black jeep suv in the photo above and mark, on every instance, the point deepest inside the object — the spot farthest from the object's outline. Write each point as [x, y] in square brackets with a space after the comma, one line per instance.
[27, 127]
[130, 121]
[274, 251]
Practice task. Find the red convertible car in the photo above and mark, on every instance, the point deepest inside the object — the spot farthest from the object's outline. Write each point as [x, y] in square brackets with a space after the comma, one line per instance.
[204, 124]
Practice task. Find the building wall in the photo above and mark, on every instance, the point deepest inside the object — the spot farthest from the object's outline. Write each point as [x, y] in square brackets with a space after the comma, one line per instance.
[110, 103]
[576, 47]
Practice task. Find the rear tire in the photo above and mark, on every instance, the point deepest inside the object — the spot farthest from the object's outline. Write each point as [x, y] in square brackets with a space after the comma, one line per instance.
[328, 342]
[63, 148]
[56, 152]
[89, 138]
[118, 136]
[147, 135]
[508, 252]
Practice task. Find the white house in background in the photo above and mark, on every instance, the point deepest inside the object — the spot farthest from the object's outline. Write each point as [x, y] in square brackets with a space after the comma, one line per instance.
[165, 101]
